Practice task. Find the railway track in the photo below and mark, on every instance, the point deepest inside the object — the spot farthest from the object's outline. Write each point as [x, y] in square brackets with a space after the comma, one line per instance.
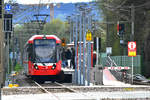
[52, 89]
[61, 86]
[52, 95]
[57, 91]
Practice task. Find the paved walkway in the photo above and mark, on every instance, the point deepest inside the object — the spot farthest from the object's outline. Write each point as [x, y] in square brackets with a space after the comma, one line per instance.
[82, 96]
[109, 79]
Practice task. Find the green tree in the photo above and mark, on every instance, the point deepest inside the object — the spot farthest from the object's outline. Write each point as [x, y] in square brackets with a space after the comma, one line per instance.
[58, 28]
[111, 14]
[99, 31]
[114, 10]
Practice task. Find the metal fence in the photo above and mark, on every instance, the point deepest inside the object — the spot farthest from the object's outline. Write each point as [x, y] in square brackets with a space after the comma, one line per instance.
[124, 61]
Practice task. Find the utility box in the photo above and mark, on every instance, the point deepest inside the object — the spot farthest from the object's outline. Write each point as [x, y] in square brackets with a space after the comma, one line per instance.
[98, 75]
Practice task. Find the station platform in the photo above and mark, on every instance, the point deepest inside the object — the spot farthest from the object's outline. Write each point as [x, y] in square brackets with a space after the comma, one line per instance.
[69, 74]
[68, 70]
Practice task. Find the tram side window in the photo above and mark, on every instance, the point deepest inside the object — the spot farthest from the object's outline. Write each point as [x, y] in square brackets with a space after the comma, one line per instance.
[58, 54]
[30, 52]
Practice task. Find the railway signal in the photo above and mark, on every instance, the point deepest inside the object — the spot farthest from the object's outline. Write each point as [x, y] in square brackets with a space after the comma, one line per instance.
[120, 29]
[63, 43]
[8, 23]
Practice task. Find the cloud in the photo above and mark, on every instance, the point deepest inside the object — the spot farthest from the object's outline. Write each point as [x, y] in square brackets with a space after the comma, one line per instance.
[48, 1]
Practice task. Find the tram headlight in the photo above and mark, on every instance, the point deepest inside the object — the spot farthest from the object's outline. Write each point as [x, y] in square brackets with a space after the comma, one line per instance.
[53, 67]
[36, 67]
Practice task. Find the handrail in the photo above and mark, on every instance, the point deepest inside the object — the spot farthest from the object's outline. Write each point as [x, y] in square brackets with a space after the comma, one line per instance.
[112, 61]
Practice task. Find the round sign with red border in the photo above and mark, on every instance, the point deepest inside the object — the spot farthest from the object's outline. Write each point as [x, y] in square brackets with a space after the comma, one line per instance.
[131, 49]
[132, 45]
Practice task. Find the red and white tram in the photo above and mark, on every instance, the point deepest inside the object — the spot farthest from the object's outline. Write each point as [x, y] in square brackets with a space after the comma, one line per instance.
[42, 59]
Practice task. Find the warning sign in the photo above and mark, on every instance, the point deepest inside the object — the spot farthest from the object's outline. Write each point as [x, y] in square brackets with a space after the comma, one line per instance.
[131, 49]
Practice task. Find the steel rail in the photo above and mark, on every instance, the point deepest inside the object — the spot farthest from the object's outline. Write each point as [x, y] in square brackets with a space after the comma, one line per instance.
[90, 98]
[52, 94]
[72, 90]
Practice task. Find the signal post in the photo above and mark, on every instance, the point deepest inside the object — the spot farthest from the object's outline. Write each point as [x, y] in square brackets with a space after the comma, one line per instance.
[89, 39]
[1, 44]
[132, 53]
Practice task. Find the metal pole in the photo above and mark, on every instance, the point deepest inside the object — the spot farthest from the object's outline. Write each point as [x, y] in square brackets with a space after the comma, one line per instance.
[84, 45]
[132, 70]
[132, 19]
[80, 39]
[76, 62]
[107, 33]
[88, 64]
[70, 27]
[13, 38]
[1, 49]
[8, 51]
[88, 54]
[90, 41]
[73, 28]
[97, 49]
[132, 26]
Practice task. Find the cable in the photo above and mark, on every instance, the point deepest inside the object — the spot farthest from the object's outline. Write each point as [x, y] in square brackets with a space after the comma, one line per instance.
[115, 8]
[39, 6]
[147, 3]
[121, 4]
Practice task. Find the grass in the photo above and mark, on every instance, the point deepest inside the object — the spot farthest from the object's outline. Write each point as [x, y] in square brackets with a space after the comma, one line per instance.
[18, 67]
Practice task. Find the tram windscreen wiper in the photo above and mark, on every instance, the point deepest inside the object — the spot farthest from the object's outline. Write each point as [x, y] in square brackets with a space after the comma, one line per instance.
[40, 61]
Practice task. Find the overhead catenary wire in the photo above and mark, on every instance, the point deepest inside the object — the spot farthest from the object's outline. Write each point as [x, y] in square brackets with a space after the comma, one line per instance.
[39, 6]
[120, 6]
[142, 5]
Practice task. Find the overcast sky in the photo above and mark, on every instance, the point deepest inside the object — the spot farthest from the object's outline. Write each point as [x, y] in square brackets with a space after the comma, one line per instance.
[48, 1]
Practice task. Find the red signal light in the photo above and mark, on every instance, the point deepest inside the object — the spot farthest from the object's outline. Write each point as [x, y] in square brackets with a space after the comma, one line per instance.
[120, 29]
